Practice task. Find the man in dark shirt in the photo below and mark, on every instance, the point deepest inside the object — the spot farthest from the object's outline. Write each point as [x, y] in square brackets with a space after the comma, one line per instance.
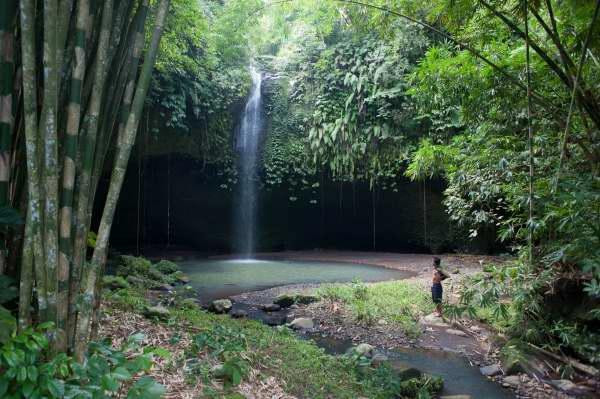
[437, 291]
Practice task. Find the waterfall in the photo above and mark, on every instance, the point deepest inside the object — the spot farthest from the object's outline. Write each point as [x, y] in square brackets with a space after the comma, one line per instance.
[247, 143]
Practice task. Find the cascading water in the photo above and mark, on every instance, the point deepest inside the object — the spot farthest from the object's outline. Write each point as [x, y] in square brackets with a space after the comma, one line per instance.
[247, 148]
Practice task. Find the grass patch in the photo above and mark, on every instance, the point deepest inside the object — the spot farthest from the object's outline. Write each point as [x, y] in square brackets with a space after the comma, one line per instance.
[398, 302]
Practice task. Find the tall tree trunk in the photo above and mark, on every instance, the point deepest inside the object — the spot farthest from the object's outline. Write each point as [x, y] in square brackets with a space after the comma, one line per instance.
[8, 10]
[92, 272]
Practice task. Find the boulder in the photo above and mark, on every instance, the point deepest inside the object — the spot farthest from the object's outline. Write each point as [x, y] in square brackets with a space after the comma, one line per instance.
[221, 306]
[156, 312]
[238, 313]
[271, 307]
[491, 370]
[364, 350]
[285, 300]
[302, 323]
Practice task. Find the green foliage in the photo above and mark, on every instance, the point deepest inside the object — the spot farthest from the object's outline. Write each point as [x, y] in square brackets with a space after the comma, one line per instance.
[30, 372]
[397, 302]
[115, 282]
[166, 267]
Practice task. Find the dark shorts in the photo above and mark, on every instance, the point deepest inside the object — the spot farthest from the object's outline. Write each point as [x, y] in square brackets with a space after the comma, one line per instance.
[436, 292]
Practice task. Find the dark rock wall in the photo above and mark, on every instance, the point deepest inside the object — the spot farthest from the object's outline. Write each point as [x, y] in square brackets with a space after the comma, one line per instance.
[342, 218]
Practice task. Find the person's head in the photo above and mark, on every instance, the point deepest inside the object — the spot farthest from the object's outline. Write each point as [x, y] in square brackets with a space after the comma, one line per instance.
[436, 262]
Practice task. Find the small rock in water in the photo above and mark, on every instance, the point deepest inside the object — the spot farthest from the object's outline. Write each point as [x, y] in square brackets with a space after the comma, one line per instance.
[271, 307]
[238, 313]
[491, 370]
[364, 350]
[159, 312]
[458, 333]
[302, 323]
[221, 305]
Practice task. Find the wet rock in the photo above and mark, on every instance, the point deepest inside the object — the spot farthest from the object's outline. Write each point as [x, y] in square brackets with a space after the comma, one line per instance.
[512, 380]
[294, 306]
[156, 312]
[364, 350]
[271, 307]
[458, 333]
[491, 370]
[239, 313]
[274, 320]
[285, 300]
[570, 387]
[378, 359]
[221, 306]
[302, 323]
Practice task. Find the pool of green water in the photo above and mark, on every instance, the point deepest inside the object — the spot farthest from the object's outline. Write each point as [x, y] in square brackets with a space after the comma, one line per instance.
[223, 278]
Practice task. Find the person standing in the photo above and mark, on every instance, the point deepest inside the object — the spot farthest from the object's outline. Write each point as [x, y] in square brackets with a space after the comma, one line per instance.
[437, 291]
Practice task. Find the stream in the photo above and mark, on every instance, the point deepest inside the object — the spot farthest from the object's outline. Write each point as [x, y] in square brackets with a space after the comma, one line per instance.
[218, 278]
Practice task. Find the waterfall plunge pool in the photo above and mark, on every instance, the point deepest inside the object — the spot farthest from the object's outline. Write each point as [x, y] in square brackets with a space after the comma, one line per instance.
[214, 279]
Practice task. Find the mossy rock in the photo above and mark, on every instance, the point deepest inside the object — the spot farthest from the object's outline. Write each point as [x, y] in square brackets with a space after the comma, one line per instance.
[166, 267]
[285, 300]
[180, 277]
[305, 299]
[115, 282]
[142, 282]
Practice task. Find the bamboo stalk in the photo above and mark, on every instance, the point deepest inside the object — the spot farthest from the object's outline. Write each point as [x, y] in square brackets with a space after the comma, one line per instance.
[117, 177]
[68, 286]
[33, 226]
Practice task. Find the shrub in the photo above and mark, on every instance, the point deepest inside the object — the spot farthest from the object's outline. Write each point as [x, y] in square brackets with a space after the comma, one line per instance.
[133, 266]
[115, 282]
[166, 267]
